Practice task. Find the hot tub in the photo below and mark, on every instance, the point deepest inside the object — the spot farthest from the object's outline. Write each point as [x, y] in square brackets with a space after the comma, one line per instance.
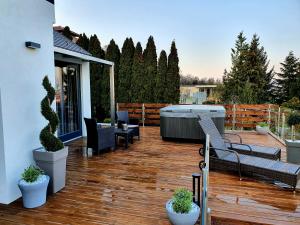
[181, 121]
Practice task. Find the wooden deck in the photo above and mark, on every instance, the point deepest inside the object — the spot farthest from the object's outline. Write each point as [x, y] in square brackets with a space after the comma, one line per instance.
[131, 187]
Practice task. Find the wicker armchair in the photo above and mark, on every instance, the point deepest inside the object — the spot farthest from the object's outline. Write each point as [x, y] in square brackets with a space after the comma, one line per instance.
[99, 138]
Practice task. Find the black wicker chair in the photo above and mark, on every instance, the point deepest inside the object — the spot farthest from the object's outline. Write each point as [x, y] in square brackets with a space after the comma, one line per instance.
[123, 117]
[224, 159]
[99, 138]
[246, 149]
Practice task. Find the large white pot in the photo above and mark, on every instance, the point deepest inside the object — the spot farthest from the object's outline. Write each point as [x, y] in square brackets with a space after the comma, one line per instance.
[183, 218]
[54, 165]
[262, 130]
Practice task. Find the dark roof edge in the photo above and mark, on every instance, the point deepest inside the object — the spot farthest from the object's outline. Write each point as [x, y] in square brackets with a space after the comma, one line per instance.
[51, 1]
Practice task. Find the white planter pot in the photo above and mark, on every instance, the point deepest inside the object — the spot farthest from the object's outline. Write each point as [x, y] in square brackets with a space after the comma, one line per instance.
[183, 218]
[293, 151]
[262, 130]
[34, 194]
[54, 165]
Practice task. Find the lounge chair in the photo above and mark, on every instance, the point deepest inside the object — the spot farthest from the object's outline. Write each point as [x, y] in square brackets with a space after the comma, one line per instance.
[246, 149]
[222, 158]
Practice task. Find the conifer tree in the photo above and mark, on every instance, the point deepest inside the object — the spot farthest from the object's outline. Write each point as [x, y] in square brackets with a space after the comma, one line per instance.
[138, 75]
[172, 92]
[150, 58]
[67, 33]
[96, 74]
[288, 79]
[249, 67]
[113, 55]
[162, 69]
[125, 71]
[83, 41]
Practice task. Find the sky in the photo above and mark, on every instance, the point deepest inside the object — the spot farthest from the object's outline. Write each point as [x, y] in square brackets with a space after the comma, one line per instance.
[204, 30]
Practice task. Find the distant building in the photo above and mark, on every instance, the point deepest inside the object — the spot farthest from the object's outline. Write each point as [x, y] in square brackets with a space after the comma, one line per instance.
[196, 94]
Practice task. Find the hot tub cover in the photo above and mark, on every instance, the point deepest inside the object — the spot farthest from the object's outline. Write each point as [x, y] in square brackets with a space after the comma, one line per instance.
[192, 111]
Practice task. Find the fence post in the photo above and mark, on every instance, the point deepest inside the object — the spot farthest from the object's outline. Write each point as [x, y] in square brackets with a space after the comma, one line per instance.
[143, 114]
[117, 106]
[269, 115]
[234, 116]
[278, 121]
[282, 126]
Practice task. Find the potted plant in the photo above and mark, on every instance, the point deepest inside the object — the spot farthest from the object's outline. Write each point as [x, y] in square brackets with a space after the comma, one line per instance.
[181, 209]
[292, 145]
[33, 186]
[53, 157]
[262, 128]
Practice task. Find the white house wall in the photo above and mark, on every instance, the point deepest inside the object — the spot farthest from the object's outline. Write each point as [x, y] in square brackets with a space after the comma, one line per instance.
[21, 74]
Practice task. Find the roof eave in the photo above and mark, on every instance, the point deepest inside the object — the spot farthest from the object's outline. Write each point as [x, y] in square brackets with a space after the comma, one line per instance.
[82, 56]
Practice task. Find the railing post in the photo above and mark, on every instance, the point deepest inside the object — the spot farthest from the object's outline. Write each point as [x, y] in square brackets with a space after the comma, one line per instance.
[117, 106]
[278, 121]
[269, 115]
[282, 126]
[143, 114]
[234, 117]
[205, 171]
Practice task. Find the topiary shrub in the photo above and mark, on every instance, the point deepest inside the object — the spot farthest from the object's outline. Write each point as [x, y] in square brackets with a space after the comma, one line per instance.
[293, 119]
[182, 200]
[31, 174]
[48, 139]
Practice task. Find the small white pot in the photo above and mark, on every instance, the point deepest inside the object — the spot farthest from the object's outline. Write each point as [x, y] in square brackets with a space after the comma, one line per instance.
[262, 130]
[183, 218]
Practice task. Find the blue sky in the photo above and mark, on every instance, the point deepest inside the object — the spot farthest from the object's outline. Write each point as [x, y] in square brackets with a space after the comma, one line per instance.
[204, 30]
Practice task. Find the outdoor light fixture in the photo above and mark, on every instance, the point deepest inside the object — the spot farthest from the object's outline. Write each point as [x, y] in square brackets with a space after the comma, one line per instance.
[33, 45]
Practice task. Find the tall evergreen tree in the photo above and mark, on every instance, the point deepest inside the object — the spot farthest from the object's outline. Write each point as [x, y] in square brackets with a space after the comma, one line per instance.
[83, 41]
[249, 67]
[125, 72]
[138, 75]
[113, 55]
[96, 74]
[67, 33]
[172, 90]
[150, 58]
[288, 79]
[162, 69]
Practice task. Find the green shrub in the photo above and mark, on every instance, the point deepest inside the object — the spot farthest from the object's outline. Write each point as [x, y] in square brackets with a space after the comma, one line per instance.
[293, 103]
[262, 124]
[31, 174]
[182, 200]
[47, 136]
[293, 119]
[107, 120]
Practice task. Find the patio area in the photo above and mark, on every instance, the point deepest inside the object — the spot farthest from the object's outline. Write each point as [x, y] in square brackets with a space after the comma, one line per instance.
[132, 186]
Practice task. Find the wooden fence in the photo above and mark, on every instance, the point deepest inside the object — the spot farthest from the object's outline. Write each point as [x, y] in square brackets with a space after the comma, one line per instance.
[238, 116]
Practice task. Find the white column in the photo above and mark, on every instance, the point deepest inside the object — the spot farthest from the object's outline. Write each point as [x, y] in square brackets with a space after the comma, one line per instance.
[85, 94]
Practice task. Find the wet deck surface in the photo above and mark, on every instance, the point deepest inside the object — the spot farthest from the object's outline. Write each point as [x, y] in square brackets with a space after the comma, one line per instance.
[131, 187]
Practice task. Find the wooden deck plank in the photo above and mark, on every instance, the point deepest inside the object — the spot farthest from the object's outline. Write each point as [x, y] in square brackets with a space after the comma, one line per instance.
[131, 187]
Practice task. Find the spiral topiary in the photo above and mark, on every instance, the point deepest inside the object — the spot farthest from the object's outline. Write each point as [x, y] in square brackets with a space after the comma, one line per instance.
[48, 139]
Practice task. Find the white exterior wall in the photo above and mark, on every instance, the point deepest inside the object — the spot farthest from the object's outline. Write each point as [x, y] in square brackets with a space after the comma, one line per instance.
[21, 74]
[85, 94]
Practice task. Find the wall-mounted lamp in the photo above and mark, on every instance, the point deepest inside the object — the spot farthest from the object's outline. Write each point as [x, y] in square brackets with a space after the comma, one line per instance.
[33, 45]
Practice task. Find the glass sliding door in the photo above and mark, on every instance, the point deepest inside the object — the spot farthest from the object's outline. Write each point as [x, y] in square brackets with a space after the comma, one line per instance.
[68, 100]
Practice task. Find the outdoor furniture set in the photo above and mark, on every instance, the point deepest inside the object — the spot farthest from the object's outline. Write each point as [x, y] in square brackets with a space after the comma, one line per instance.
[246, 159]
[102, 136]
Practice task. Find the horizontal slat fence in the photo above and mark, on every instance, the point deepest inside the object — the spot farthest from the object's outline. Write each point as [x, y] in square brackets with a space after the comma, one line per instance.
[248, 115]
[146, 113]
[238, 116]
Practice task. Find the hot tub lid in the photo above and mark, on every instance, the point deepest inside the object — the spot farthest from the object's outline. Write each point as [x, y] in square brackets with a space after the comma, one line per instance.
[191, 111]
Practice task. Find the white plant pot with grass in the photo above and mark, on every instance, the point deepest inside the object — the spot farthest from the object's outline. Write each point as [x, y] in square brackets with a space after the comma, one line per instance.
[262, 128]
[53, 157]
[181, 209]
[293, 145]
[33, 186]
